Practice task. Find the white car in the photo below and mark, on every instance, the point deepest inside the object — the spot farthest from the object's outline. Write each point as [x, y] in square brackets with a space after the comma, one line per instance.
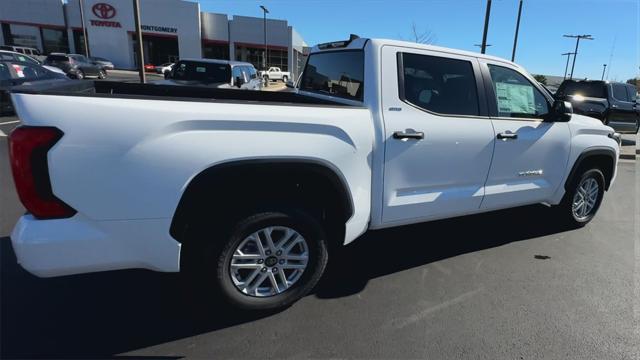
[164, 68]
[274, 73]
[252, 191]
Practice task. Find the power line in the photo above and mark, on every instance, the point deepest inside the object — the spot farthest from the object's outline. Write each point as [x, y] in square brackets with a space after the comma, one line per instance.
[575, 53]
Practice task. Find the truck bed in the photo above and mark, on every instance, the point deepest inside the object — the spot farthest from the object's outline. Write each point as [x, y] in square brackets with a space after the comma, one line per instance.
[115, 89]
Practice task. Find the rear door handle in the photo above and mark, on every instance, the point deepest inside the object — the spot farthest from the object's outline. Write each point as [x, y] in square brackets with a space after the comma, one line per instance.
[507, 136]
[408, 134]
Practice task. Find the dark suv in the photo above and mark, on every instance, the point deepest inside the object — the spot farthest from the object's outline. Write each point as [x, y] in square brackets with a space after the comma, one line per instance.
[77, 66]
[615, 104]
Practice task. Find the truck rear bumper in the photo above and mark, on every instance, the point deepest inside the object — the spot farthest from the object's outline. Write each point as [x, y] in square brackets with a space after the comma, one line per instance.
[48, 248]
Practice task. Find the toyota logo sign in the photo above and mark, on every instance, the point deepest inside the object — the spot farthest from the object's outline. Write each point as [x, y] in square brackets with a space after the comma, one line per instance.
[103, 11]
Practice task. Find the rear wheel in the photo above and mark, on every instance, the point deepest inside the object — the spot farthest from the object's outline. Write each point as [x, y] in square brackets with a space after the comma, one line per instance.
[268, 260]
[102, 74]
[582, 199]
[285, 79]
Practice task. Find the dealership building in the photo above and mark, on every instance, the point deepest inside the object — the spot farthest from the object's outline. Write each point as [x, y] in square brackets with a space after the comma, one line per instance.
[171, 29]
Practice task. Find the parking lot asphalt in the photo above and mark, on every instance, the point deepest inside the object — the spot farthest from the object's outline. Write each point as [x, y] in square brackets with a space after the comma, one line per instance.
[505, 285]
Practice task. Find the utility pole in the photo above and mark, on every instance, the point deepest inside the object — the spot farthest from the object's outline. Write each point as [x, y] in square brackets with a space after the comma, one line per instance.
[136, 15]
[483, 48]
[604, 67]
[84, 29]
[575, 53]
[566, 67]
[515, 38]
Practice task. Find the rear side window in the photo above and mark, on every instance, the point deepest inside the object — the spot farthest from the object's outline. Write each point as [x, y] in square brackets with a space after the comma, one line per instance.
[438, 84]
[57, 58]
[202, 71]
[619, 92]
[632, 93]
[336, 73]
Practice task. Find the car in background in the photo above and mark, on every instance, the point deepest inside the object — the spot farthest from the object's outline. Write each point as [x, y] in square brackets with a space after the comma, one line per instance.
[274, 73]
[76, 66]
[613, 103]
[17, 73]
[221, 74]
[164, 68]
[33, 52]
[106, 64]
[149, 67]
[15, 56]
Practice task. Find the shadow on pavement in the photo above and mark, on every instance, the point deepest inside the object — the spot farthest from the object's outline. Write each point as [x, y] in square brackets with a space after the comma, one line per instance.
[98, 315]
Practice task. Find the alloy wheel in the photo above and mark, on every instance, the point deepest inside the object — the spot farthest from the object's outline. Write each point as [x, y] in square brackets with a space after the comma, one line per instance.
[269, 261]
[585, 198]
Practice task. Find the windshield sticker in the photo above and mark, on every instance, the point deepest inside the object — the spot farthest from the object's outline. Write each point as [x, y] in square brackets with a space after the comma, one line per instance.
[515, 98]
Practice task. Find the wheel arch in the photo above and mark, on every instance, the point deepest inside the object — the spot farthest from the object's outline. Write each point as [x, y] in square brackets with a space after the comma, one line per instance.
[601, 157]
[221, 180]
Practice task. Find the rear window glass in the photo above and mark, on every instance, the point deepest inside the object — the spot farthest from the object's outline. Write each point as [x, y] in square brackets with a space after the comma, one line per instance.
[588, 89]
[338, 73]
[57, 58]
[205, 72]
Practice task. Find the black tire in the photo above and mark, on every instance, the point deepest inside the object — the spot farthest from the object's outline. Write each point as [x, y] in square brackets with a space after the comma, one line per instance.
[79, 75]
[565, 209]
[214, 274]
[285, 78]
[102, 74]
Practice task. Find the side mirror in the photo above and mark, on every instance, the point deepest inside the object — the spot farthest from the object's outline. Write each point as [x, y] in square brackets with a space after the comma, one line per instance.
[290, 84]
[238, 81]
[561, 111]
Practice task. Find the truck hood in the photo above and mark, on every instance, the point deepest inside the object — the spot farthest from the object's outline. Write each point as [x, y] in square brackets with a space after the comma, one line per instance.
[588, 123]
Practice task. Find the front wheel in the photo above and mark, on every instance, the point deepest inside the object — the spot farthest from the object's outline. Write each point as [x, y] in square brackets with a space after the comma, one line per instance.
[269, 260]
[102, 74]
[583, 198]
[79, 75]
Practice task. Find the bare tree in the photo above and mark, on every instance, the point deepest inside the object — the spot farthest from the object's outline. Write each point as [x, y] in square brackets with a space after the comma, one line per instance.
[422, 37]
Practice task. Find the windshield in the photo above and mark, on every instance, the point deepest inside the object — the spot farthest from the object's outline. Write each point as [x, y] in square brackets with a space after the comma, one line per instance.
[201, 71]
[587, 89]
[336, 73]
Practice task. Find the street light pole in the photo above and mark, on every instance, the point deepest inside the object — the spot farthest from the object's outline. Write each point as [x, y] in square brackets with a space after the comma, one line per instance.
[264, 59]
[483, 48]
[84, 29]
[136, 15]
[515, 38]
[604, 67]
[575, 53]
[566, 67]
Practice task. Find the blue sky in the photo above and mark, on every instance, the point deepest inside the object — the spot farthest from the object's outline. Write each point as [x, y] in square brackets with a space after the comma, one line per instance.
[458, 24]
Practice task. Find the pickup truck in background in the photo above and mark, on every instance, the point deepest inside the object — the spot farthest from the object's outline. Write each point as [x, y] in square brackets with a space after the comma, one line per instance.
[615, 104]
[274, 73]
[252, 191]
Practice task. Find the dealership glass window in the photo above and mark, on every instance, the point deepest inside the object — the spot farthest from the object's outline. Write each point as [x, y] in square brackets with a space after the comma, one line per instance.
[516, 96]
[337, 73]
[438, 84]
[78, 41]
[54, 41]
[215, 51]
[250, 55]
[278, 58]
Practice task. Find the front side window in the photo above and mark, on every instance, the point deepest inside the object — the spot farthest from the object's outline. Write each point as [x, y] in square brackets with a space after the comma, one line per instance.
[438, 84]
[619, 92]
[632, 93]
[516, 96]
[336, 73]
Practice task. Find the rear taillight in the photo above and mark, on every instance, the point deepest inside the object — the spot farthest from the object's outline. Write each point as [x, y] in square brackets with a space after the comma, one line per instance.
[28, 148]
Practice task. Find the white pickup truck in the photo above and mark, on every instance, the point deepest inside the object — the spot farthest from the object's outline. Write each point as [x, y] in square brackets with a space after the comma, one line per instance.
[274, 73]
[254, 190]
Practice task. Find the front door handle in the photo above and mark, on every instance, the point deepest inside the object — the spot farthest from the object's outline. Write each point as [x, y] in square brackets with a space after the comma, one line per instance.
[507, 136]
[408, 134]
